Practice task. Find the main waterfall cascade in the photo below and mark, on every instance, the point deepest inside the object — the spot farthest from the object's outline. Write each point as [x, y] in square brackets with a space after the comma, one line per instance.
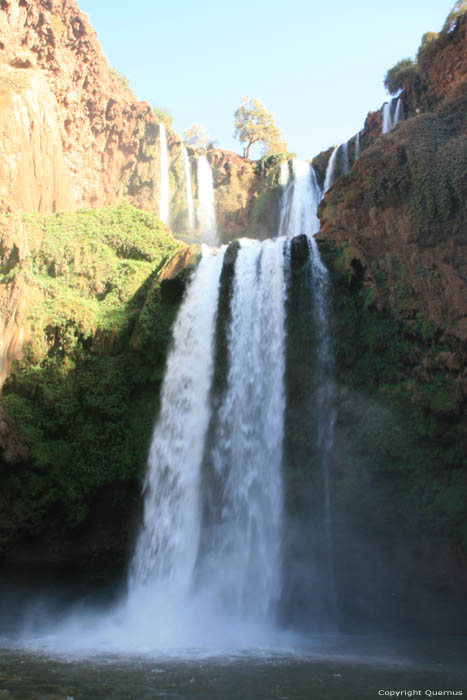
[213, 511]
[241, 552]
[164, 176]
[206, 204]
[210, 566]
[210, 544]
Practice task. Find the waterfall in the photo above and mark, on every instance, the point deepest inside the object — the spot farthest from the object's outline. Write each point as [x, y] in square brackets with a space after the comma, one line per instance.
[357, 147]
[392, 113]
[300, 202]
[241, 560]
[398, 114]
[189, 194]
[299, 216]
[345, 158]
[164, 176]
[167, 546]
[226, 565]
[206, 204]
[387, 122]
[329, 177]
[284, 173]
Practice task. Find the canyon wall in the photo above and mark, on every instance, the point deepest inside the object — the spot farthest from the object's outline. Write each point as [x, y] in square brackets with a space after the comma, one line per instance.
[73, 136]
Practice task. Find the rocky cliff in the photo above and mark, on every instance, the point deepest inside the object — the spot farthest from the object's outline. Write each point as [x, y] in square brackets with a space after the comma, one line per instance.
[393, 235]
[72, 135]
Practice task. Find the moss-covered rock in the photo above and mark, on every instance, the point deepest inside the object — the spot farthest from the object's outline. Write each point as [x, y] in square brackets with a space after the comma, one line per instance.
[82, 399]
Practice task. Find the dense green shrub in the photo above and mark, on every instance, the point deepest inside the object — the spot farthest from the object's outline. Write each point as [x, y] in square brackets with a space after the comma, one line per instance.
[163, 116]
[83, 396]
[403, 76]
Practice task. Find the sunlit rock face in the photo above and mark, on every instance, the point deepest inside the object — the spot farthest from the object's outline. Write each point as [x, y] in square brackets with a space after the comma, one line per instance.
[72, 134]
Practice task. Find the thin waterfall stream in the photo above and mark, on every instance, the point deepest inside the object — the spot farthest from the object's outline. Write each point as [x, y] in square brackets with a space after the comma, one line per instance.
[188, 190]
[206, 204]
[298, 218]
[164, 176]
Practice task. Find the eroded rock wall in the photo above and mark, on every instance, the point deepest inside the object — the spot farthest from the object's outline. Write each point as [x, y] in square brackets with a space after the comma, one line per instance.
[72, 135]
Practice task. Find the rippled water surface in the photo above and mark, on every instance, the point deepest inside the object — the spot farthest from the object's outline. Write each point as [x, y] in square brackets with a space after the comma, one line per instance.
[347, 669]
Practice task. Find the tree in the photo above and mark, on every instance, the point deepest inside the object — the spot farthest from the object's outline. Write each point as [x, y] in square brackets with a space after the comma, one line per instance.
[163, 116]
[253, 124]
[196, 137]
[403, 76]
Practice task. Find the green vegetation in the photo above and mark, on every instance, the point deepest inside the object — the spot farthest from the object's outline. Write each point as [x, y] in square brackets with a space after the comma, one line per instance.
[401, 429]
[403, 76]
[163, 116]
[433, 41]
[253, 124]
[83, 397]
[196, 137]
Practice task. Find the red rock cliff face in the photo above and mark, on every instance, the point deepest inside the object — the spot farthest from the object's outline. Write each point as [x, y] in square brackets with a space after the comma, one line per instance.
[448, 69]
[71, 135]
[402, 212]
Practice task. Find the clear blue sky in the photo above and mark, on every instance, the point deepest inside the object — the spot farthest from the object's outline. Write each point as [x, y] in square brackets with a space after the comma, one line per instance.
[317, 66]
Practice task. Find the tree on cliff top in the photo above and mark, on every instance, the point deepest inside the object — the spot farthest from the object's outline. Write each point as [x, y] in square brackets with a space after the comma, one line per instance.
[253, 124]
[403, 76]
[196, 137]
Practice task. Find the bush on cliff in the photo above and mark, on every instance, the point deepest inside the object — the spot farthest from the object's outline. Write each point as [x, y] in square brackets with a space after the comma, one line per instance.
[402, 76]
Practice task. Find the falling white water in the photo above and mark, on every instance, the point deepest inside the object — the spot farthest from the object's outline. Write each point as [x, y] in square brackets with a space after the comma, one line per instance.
[392, 113]
[357, 147]
[345, 157]
[164, 176]
[299, 216]
[226, 568]
[387, 121]
[241, 561]
[206, 204]
[300, 202]
[284, 173]
[167, 546]
[329, 177]
[398, 114]
[189, 193]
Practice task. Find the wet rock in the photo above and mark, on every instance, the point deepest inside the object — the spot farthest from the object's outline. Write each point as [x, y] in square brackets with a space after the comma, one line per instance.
[299, 252]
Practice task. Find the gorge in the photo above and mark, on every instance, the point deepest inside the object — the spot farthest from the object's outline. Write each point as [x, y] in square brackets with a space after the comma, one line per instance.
[301, 339]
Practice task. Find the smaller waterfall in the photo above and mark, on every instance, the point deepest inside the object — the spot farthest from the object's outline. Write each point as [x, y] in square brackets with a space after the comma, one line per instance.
[206, 204]
[299, 216]
[392, 113]
[189, 193]
[357, 147]
[330, 170]
[387, 121]
[164, 176]
[305, 199]
[345, 158]
[284, 174]
[399, 113]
